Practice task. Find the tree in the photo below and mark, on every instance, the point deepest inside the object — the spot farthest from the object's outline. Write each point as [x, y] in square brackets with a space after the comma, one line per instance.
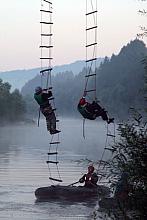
[17, 105]
[12, 104]
[129, 155]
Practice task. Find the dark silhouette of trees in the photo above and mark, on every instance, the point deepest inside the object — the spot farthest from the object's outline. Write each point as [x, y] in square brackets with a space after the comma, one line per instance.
[12, 105]
[129, 157]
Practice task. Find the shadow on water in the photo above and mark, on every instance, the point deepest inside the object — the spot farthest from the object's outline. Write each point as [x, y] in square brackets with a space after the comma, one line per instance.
[63, 202]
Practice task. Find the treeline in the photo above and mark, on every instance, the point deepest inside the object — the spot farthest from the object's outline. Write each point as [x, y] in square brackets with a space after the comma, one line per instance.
[120, 84]
[12, 105]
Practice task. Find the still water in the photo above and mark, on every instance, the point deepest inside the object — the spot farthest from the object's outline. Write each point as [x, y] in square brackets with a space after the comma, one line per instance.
[23, 168]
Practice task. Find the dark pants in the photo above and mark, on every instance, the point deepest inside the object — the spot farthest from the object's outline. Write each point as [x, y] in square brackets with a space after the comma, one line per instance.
[50, 118]
[95, 109]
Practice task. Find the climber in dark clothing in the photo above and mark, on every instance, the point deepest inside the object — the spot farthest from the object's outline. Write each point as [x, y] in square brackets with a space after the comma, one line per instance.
[42, 98]
[93, 110]
[90, 178]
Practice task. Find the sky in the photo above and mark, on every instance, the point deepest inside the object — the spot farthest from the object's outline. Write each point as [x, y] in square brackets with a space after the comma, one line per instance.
[118, 24]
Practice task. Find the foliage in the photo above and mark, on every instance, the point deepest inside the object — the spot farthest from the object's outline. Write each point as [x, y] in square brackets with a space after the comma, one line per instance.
[12, 104]
[129, 155]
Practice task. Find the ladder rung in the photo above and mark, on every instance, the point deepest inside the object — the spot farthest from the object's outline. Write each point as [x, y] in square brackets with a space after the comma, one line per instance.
[111, 135]
[89, 45]
[47, 35]
[92, 12]
[91, 60]
[56, 142]
[49, 88]
[106, 148]
[49, 161]
[46, 46]
[91, 28]
[43, 22]
[91, 90]
[46, 11]
[47, 2]
[46, 58]
[53, 153]
[94, 74]
[45, 70]
[54, 179]
[51, 98]
[104, 182]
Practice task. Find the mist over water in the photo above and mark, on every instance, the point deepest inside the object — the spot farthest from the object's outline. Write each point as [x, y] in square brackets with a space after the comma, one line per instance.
[23, 168]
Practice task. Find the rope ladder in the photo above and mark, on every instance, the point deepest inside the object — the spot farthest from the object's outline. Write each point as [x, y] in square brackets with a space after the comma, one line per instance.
[46, 82]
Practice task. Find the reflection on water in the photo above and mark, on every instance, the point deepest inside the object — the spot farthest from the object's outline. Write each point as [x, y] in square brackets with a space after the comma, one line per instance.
[23, 169]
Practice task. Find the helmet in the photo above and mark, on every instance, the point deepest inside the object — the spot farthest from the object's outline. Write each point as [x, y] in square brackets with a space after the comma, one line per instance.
[91, 168]
[82, 101]
[38, 89]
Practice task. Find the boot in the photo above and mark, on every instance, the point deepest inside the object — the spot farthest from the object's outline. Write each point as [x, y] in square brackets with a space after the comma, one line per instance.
[54, 132]
[111, 120]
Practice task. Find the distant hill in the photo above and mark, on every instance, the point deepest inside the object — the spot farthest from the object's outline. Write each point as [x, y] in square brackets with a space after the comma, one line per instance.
[120, 83]
[18, 78]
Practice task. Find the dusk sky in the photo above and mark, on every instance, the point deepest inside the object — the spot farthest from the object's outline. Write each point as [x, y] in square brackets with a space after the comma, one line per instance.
[118, 22]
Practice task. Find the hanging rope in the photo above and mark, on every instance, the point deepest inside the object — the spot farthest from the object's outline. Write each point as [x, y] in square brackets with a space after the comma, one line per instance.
[91, 10]
[84, 128]
[92, 59]
[91, 70]
[102, 165]
[46, 82]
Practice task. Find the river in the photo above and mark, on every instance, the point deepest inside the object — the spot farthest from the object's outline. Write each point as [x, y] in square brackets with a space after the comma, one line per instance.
[23, 168]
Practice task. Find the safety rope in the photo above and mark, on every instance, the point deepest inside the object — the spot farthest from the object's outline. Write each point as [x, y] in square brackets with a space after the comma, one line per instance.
[46, 82]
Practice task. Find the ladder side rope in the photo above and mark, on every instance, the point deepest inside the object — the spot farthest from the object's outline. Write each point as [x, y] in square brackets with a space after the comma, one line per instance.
[41, 55]
[89, 69]
[55, 152]
[93, 61]
[50, 173]
[101, 165]
[46, 81]
[84, 127]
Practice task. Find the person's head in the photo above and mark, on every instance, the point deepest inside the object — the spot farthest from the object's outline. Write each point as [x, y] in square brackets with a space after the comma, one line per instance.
[38, 89]
[90, 169]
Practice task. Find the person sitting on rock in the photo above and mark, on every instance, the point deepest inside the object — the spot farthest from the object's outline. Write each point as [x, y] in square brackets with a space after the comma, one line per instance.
[93, 110]
[42, 98]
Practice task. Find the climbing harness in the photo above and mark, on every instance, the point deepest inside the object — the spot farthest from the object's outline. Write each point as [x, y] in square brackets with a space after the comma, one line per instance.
[46, 82]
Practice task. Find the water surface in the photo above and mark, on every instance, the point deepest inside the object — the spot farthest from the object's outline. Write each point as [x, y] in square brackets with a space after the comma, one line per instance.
[23, 168]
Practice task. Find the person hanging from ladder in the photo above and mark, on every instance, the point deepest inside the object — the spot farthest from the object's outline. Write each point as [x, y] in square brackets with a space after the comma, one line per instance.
[93, 110]
[42, 98]
[90, 179]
